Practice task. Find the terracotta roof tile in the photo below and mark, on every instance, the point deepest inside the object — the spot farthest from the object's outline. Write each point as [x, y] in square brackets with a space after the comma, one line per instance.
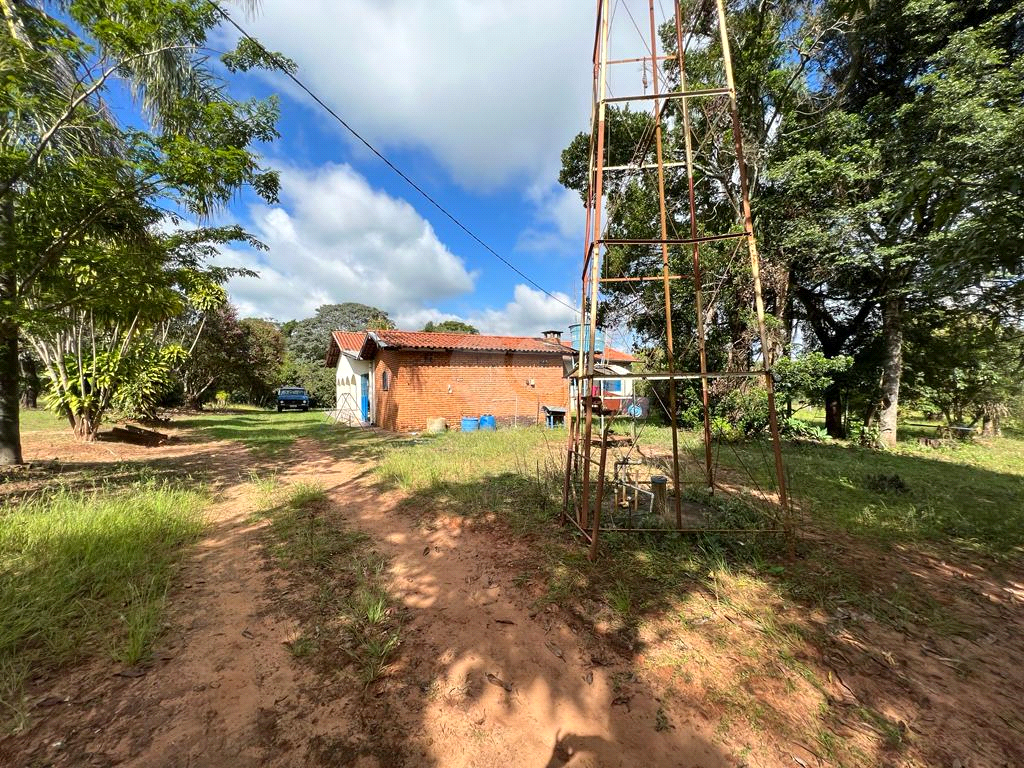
[349, 341]
[353, 343]
[609, 354]
[343, 341]
[473, 342]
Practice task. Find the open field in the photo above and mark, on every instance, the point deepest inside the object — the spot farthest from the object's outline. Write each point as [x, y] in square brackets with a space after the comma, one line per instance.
[418, 596]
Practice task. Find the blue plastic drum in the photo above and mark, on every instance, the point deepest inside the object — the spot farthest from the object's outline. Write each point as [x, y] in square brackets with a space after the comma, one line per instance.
[470, 424]
[488, 423]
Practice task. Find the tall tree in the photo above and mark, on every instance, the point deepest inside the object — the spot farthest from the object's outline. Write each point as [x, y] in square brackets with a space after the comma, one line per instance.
[75, 187]
[814, 218]
[773, 44]
[123, 343]
[259, 372]
[217, 356]
[450, 326]
[881, 155]
[308, 339]
[935, 88]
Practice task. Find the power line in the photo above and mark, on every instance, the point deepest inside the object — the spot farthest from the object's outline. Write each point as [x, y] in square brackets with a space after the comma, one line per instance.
[426, 196]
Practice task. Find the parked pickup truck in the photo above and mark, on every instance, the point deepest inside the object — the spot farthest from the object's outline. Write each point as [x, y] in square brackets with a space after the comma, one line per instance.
[292, 397]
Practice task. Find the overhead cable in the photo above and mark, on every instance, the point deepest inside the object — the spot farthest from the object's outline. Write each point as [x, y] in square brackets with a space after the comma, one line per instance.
[405, 177]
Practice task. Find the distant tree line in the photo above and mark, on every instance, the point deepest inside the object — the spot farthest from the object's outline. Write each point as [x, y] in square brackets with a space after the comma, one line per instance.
[221, 358]
[450, 326]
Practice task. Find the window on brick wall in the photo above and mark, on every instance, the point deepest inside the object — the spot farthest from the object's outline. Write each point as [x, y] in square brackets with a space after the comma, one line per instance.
[385, 381]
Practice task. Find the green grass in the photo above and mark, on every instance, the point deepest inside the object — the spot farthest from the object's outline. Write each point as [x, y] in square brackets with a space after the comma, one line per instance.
[511, 473]
[968, 496]
[83, 574]
[40, 420]
[272, 435]
[348, 616]
[965, 494]
[266, 433]
[435, 461]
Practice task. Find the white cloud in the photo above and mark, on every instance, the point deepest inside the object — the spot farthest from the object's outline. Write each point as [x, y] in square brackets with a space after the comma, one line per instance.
[335, 239]
[559, 221]
[492, 89]
[529, 313]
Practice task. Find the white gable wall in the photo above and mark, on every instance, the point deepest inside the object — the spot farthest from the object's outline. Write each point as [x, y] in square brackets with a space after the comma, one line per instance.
[347, 392]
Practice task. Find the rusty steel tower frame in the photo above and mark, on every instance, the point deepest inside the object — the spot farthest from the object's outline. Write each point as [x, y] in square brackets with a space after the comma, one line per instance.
[586, 477]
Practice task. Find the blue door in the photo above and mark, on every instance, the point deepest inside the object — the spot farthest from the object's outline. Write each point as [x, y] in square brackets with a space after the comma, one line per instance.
[364, 395]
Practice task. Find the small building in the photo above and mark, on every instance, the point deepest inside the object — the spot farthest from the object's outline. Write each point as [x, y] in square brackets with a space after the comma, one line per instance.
[615, 393]
[353, 378]
[399, 379]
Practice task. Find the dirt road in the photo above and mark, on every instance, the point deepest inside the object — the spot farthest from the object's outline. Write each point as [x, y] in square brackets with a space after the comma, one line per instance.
[480, 679]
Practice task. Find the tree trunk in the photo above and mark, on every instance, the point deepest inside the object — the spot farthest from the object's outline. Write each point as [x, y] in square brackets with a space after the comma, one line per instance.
[87, 426]
[29, 382]
[10, 429]
[737, 353]
[870, 415]
[10, 433]
[892, 369]
[834, 412]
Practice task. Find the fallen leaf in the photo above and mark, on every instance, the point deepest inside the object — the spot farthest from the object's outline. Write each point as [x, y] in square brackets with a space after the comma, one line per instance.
[495, 680]
[555, 650]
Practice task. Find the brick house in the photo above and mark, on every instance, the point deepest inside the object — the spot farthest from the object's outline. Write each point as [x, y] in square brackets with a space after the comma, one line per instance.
[399, 379]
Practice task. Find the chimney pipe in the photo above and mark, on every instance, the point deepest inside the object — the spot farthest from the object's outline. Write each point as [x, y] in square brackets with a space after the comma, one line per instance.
[555, 336]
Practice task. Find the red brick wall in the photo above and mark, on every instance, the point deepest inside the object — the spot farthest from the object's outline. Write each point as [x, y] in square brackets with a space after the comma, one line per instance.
[480, 382]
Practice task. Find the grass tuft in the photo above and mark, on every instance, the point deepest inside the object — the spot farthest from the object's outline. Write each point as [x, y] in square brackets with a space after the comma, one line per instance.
[86, 573]
[348, 614]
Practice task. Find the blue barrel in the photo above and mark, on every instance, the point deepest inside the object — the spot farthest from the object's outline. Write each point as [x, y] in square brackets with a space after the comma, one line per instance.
[470, 424]
[488, 423]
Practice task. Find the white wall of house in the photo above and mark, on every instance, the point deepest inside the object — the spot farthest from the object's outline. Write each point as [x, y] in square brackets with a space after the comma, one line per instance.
[612, 388]
[346, 381]
[618, 387]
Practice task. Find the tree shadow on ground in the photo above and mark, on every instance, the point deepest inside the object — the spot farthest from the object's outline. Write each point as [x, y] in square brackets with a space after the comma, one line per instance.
[885, 623]
[863, 650]
[482, 676]
[217, 454]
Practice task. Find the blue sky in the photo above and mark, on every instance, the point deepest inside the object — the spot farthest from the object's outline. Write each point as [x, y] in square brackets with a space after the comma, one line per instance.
[475, 99]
